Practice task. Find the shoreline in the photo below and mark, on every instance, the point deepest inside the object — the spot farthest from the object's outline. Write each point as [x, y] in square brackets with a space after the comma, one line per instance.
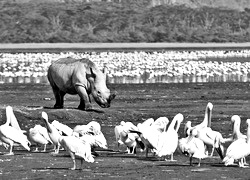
[84, 47]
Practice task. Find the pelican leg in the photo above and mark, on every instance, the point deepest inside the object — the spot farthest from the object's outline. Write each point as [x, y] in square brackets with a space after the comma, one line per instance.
[11, 150]
[199, 163]
[212, 152]
[190, 160]
[57, 150]
[241, 163]
[44, 149]
[133, 150]
[146, 152]
[172, 157]
[73, 159]
[36, 150]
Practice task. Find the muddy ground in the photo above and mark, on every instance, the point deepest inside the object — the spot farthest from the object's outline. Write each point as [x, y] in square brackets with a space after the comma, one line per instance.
[133, 103]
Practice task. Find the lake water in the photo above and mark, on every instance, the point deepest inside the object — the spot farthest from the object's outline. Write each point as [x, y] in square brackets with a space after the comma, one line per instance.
[142, 79]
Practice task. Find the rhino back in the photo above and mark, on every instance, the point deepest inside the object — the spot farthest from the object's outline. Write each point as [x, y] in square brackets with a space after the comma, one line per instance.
[62, 73]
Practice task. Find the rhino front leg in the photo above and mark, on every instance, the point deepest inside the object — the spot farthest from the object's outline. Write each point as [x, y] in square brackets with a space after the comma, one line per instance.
[59, 95]
[85, 103]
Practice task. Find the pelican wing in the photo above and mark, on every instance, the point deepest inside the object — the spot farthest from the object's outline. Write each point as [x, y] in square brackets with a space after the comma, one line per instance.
[43, 131]
[35, 136]
[118, 130]
[12, 118]
[15, 135]
[161, 123]
[62, 127]
[77, 146]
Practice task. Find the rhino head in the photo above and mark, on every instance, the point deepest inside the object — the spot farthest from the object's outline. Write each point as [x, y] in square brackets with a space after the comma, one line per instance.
[99, 90]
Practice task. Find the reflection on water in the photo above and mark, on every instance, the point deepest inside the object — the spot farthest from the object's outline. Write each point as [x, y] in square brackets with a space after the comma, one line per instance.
[142, 79]
[21, 79]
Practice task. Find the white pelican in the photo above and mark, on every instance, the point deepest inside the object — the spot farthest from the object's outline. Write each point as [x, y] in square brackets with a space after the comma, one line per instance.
[161, 123]
[92, 127]
[209, 136]
[11, 135]
[238, 149]
[168, 141]
[92, 133]
[64, 129]
[207, 118]
[52, 131]
[130, 140]
[39, 135]
[148, 122]
[95, 141]
[235, 119]
[187, 128]
[77, 148]
[10, 116]
[118, 129]
[237, 135]
[193, 147]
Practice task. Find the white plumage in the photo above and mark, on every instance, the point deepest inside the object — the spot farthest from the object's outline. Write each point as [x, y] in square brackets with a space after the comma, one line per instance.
[62, 128]
[39, 135]
[168, 141]
[52, 132]
[77, 148]
[92, 127]
[12, 134]
[123, 136]
[209, 136]
[193, 147]
[160, 123]
[238, 149]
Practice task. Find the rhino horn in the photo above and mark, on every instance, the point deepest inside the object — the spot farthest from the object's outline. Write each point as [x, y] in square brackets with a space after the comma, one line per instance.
[112, 96]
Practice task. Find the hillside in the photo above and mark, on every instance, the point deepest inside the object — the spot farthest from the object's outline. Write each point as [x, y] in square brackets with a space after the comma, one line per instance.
[128, 21]
[230, 4]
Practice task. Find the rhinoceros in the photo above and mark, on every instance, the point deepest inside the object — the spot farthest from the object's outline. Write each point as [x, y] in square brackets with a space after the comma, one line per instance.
[82, 77]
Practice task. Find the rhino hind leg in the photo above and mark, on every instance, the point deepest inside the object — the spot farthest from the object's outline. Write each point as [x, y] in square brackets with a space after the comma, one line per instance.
[59, 95]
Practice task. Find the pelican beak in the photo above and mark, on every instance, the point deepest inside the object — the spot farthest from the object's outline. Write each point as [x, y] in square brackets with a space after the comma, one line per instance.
[220, 151]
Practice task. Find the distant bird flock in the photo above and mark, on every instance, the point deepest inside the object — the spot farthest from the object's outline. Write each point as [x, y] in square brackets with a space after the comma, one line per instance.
[159, 138]
[137, 66]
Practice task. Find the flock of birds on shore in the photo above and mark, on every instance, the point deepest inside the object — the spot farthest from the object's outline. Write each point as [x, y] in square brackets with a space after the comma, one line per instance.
[136, 64]
[160, 137]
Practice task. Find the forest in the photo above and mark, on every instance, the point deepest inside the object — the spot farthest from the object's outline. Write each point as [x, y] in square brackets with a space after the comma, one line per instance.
[125, 21]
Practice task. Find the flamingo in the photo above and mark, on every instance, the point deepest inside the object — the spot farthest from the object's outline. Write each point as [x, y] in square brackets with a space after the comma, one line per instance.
[53, 132]
[168, 140]
[12, 134]
[77, 148]
[238, 149]
[39, 135]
